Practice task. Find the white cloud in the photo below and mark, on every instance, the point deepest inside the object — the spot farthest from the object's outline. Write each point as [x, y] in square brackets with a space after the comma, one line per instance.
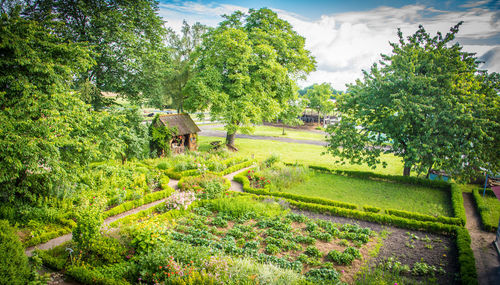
[346, 43]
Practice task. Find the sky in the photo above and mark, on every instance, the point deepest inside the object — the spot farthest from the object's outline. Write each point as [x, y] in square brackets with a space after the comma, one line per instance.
[347, 37]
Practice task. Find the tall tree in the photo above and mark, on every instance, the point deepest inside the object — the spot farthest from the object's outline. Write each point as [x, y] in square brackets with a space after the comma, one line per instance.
[290, 114]
[36, 107]
[182, 47]
[126, 37]
[319, 97]
[431, 101]
[247, 69]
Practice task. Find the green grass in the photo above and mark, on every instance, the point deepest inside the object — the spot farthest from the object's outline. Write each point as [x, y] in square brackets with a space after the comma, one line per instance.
[302, 153]
[385, 195]
[269, 131]
[491, 206]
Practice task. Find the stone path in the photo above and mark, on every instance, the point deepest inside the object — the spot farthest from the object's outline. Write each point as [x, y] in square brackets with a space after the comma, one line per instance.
[487, 259]
[172, 183]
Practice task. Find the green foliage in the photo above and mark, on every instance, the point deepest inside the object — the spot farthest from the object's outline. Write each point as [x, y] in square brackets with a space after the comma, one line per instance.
[155, 196]
[205, 186]
[160, 137]
[371, 209]
[313, 251]
[466, 261]
[238, 207]
[422, 217]
[323, 276]
[246, 69]
[88, 276]
[319, 98]
[488, 207]
[14, 265]
[88, 226]
[427, 103]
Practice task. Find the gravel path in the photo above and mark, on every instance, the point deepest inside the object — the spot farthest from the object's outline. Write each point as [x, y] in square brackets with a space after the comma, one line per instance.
[487, 259]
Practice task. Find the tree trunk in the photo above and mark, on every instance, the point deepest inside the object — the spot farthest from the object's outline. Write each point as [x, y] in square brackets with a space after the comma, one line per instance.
[283, 130]
[429, 171]
[406, 171]
[318, 118]
[230, 139]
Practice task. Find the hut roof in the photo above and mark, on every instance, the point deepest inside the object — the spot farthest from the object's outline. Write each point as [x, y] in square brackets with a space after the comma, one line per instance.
[183, 122]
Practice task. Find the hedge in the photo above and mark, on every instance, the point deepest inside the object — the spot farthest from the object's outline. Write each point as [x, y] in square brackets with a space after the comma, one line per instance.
[87, 276]
[457, 203]
[45, 237]
[56, 263]
[422, 217]
[226, 185]
[466, 261]
[483, 209]
[372, 209]
[151, 197]
[246, 187]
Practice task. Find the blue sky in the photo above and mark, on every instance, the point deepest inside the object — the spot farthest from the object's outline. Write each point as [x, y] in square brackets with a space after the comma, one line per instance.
[348, 36]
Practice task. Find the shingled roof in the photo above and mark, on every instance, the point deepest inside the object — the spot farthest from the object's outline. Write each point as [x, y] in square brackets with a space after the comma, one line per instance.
[183, 122]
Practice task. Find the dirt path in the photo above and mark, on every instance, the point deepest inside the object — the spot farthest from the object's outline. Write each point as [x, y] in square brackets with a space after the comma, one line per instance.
[487, 259]
[235, 186]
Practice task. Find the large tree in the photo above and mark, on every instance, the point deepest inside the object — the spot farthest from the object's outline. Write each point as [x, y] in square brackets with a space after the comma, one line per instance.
[427, 103]
[127, 39]
[182, 47]
[247, 69]
[319, 97]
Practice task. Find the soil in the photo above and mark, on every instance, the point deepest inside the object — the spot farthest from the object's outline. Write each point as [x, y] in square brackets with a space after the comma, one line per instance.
[487, 259]
[442, 254]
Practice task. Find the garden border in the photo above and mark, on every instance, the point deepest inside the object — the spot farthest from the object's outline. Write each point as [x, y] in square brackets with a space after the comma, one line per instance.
[482, 208]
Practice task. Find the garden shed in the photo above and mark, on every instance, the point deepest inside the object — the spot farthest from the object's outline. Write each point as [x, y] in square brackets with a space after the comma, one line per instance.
[186, 135]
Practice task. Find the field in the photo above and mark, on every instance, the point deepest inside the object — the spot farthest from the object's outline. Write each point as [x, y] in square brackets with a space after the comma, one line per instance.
[269, 131]
[380, 194]
[302, 153]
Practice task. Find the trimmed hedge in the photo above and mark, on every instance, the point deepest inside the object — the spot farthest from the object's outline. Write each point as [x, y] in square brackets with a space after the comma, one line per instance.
[14, 266]
[466, 261]
[46, 237]
[246, 187]
[483, 209]
[371, 209]
[422, 217]
[151, 197]
[87, 276]
[457, 203]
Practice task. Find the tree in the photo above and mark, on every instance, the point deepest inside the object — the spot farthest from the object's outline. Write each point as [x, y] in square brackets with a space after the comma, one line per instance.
[427, 103]
[182, 49]
[319, 97]
[126, 38]
[38, 113]
[290, 114]
[247, 69]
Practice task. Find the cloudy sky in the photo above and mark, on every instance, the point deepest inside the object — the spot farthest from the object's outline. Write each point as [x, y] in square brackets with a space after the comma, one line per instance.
[349, 36]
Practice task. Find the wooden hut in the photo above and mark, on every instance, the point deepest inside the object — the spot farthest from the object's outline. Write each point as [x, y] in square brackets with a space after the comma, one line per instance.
[187, 130]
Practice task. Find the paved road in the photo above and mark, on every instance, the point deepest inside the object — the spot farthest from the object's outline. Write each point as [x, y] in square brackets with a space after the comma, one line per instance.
[208, 131]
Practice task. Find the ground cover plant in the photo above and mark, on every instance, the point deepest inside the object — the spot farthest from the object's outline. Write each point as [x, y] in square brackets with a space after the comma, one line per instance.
[488, 207]
[270, 131]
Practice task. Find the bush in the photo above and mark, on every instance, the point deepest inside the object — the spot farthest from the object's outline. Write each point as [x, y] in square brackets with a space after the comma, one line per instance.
[14, 265]
[422, 217]
[484, 211]
[468, 273]
[371, 209]
[206, 186]
[323, 276]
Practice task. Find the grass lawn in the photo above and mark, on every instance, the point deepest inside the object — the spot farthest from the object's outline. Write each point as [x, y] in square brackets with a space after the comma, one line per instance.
[269, 131]
[302, 153]
[385, 195]
[491, 207]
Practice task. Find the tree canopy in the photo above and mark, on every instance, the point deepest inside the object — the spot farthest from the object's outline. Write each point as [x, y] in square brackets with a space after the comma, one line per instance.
[126, 39]
[427, 103]
[247, 68]
[319, 97]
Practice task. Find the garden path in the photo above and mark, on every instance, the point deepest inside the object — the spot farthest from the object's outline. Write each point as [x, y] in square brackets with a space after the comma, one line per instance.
[172, 183]
[487, 259]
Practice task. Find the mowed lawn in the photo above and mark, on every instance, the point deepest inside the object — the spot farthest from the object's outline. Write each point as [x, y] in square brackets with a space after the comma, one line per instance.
[303, 154]
[385, 195]
[269, 131]
[492, 203]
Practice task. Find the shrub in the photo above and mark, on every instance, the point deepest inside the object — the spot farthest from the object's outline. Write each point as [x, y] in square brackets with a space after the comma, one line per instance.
[313, 251]
[422, 217]
[179, 200]
[206, 186]
[14, 265]
[488, 219]
[88, 226]
[371, 209]
[323, 276]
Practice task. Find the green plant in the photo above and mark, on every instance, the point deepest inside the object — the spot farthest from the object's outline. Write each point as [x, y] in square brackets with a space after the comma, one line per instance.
[371, 209]
[14, 265]
[312, 251]
[88, 226]
[488, 207]
[323, 276]
[272, 249]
